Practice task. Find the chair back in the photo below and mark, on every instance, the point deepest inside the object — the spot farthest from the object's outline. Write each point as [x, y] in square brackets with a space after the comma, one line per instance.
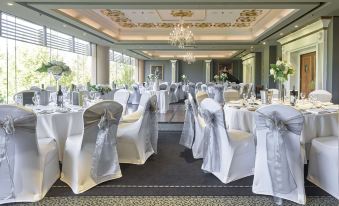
[321, 95]
[219, 94]
[279, 162]
[24, 96]
[18, 149]
[204, 88]
[99, 137]
[121, 96]
[200, 96]
[163, 86]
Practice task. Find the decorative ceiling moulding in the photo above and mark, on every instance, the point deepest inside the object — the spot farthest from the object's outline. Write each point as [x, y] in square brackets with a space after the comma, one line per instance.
[245, 20]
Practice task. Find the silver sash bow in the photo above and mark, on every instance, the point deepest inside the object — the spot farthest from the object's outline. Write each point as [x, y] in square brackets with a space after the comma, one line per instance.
[187, 135]
[104, 140]
[211, 151]
[282, 178]
[154, 123]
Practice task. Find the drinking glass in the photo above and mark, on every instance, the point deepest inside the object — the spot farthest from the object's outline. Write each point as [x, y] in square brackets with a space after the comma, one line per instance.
[302, 96]
[253, 97]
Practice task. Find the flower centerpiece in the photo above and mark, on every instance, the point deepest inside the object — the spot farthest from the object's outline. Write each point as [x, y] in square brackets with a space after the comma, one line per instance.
[223, 77]
[184, 78]
[56, 68]
[100, 88]
[216, 78]
[280, 72]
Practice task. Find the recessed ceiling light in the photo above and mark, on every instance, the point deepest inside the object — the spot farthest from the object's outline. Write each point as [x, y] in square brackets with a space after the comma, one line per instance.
[84, 34]
[64, 25]
[281, 34]
[264, 43]
[10, 4]
[251, 47]
[296, 26]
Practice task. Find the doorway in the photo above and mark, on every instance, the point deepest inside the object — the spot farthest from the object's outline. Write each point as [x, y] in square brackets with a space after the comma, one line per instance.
[307, 72]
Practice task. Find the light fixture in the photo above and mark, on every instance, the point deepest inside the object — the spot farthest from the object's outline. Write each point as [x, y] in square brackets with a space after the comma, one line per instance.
[264, 43]
[10, 4]
[181, 36]
[189, 58]
[296, 26]
[281, 34]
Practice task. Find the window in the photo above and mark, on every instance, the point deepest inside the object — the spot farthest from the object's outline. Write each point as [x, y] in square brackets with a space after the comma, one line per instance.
[122, 68]
[24, 46]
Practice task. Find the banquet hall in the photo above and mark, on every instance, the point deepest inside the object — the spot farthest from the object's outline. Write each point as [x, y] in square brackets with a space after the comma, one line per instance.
[171, 102]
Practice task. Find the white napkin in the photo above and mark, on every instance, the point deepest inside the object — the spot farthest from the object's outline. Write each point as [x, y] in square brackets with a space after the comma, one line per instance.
[317, 111]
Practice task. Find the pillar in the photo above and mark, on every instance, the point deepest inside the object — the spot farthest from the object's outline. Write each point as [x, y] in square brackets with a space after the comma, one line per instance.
[141, 71]
[174, 70]
[208, 70]
[100, 65]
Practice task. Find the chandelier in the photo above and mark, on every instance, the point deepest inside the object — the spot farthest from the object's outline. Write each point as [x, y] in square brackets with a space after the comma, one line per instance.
[181, 36]
[189, 58]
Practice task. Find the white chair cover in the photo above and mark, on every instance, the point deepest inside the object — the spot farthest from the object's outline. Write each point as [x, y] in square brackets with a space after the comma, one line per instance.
[229, 155]
[231, 95]
[172, 94]
[210, 90]
[198, 87]
[279, 166]
[323, 167]
[219, 94]
[108, 96]
[204, 88]
[138, 132]
[187, 135]
[121, 96]
[28, 166]
[321, 95]
[135, 96]
[91, 158]
[191, 89]
[199, 126]
[163, 86]
[163, 101]
[200, 96]
[179, 92]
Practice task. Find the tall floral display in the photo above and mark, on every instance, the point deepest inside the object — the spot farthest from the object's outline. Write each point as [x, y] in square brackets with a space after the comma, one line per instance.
[56, 68]
[280, 72]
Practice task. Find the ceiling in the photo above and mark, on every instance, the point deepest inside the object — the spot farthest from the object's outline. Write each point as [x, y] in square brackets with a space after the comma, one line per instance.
[161, 54]
[140, 28]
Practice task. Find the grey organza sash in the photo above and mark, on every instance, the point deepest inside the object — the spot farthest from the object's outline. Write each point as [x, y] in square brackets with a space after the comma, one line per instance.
[154, 123]
[8, 126]
[187, 135]
[211, 151]
[282, 179]
[105, 143]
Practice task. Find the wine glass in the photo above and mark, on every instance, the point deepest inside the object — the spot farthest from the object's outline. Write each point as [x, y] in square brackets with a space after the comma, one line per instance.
[253, 97]
[244, 96]
[302, 96]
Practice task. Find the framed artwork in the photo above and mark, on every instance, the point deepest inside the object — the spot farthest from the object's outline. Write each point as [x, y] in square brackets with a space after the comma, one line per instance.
[157, 70]
[222, 68]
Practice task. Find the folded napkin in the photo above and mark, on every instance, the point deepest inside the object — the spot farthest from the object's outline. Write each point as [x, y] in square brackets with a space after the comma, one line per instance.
[305, 106]
[235, 102]
[333, 107]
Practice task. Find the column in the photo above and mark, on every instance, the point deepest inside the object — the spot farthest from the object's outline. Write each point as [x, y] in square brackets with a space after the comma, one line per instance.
[174, 70]
[141, 69]
[100, 65]
[208, 70]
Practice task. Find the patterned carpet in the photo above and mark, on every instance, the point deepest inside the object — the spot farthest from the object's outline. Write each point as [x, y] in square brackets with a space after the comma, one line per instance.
[172, 177]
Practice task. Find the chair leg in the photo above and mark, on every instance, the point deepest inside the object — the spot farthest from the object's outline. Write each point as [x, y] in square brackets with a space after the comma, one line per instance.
[277, 200]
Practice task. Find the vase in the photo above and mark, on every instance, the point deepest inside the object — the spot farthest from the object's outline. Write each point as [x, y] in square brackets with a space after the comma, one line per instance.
[156, 85]
[57, 78]
[281, 88]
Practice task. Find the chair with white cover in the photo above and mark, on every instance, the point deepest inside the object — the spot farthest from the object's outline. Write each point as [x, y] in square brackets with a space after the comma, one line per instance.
[191, 89]
[228, 154]
[231, 95]
[210, 90]
[200, 96]
[163, 86]
[199, 126]
[179, 92]
[279, 165]
[135, 96]
[275, 93]
[321, 95]
[219, 94]
[121, 96]
[198, 87]
[91, 158]
[29, 166]
[172, 95]
[187, 134]
[138, 132]
[324, 163]
[204, 88]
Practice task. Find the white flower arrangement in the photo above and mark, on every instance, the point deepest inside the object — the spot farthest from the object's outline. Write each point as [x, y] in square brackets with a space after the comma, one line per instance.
[223, 77]
[100, 88]
[152, 77]
[216, 77]
[55, 68]
[280, 71]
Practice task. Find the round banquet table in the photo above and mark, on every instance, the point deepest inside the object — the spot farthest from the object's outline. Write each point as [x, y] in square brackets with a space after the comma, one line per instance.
[59, 126]
[315, 125]
[162, 100]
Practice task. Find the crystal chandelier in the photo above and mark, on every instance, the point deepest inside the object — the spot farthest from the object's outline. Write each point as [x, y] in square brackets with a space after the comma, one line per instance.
[181, 36]
[189, 58]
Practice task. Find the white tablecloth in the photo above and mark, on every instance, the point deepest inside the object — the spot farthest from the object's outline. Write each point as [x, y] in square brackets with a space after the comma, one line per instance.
[59, 126]
[316, 125]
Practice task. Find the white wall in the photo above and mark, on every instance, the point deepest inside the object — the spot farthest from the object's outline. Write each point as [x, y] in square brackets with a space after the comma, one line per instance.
[248, 62]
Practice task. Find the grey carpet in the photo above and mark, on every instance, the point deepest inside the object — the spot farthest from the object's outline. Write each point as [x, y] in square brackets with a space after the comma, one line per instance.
[172, 172]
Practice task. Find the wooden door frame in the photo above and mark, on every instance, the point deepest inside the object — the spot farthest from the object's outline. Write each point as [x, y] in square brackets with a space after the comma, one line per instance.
[315, 70]
[310, 50]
